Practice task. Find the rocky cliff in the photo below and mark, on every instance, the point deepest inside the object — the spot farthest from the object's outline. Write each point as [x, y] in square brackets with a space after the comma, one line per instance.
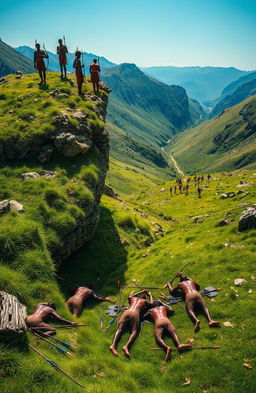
[57, 151]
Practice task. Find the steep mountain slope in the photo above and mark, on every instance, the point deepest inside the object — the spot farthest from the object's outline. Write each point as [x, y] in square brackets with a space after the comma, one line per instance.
[240, 94]
[147, 109]
[11, 61]
[54, 62]
[205, 84]
[232, 87]
[224, 143]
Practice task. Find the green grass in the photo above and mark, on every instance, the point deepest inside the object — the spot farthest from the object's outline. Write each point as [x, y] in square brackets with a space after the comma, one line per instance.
[224, 143]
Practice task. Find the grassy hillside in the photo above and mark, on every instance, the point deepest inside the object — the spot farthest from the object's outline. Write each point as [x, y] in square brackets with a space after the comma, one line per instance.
[240, 94]
[11, 61]
[205, 84]
[224, 143]
[217, 256]
[239, 82]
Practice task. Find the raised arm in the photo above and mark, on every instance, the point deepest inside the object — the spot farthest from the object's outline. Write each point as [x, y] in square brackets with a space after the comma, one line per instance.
[169, 308]
[100, 298]
[136, 294]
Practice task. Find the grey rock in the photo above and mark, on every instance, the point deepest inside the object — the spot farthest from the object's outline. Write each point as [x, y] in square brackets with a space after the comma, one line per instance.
[79, 115]
[47, 173]
[223, 223]
[247, 219]
[30, 175]
[61, 96]
[14, 205]
[71, 145]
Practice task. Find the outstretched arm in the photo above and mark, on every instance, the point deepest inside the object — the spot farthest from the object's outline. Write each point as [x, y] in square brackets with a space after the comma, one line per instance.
[60, 319]
[100, 298]
[169, 308]
[136, 293]
[151, 300]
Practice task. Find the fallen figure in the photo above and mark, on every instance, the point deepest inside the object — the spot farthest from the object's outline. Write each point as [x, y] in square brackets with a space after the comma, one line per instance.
[41, 315]
[159, 313]
[193, 300]
[132, 317]
[77, 302]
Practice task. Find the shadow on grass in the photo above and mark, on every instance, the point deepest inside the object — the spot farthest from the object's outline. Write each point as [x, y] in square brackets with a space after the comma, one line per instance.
[102, 261]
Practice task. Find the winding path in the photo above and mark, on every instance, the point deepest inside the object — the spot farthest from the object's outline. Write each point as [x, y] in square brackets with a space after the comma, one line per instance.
[175, 164]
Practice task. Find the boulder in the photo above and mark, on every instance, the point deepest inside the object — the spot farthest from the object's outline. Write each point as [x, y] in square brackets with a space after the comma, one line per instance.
[30, 175]
[14, 205]
[223, 223]
[79, 115]
[4, 207]
[71, 145]
[239, 281]
[247, 219]
[47, 173]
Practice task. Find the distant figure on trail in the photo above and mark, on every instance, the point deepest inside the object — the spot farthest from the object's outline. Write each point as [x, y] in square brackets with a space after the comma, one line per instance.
[175, 189]
[79, 71]
[209, 177]
[159, 314]
[180, 188]
[193, 300]
[95, 75]
[39, 56]
[187, 188]
[62, 51]
[199, 191]
[170, 189]
[41, 315]
[77, 301]
[132, 317]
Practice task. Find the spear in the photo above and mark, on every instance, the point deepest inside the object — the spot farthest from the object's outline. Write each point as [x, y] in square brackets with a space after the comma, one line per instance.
[63, 350]
[58, 340]
[47, 57]
[124, 286]
[55, 365]
[57, 326]
[171, 281]
[101, 317]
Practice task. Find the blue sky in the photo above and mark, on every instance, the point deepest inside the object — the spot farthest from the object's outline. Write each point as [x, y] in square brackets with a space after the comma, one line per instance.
[145, 32]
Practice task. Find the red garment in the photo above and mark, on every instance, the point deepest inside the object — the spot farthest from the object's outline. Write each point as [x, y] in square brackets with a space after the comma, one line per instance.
[61, 51]
[95, 70]
[39, 60]
[79, 72]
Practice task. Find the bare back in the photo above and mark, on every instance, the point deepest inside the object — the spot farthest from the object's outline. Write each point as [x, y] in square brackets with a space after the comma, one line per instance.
[82, 294]
[158, 313]
[137, 304]
[188, 286]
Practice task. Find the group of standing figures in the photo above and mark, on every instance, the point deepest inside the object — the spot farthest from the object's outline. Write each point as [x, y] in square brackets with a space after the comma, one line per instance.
[141, 306]
[39, 64]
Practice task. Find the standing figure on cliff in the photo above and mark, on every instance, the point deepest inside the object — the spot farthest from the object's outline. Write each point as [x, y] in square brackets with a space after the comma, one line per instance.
[193, 300]
[39, 56]
[95, 75]
[132, 317]
[79, 71]
[159, 314]
[41, 315]
[80, 296]
[62, 52]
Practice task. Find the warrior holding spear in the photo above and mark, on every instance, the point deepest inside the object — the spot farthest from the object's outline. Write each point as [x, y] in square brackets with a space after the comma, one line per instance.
[95, 75]
[62, 51]
[39, 56]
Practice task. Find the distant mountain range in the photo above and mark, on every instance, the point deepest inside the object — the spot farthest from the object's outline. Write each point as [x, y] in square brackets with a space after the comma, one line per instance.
[240, 94]
[54, 61]
[205, 84]
[143, 114]
[11, 61]
[224, 143]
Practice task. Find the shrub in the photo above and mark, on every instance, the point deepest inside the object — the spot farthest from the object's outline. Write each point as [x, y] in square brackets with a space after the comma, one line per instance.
[54, 112]
[48, 129]
[144, 227]
[71, 104]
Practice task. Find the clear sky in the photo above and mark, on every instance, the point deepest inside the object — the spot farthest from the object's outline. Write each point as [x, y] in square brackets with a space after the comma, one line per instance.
[145, 32]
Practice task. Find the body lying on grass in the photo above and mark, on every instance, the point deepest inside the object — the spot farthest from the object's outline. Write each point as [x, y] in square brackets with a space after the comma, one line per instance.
[41, 315]
[193, 300]
[132, 317]
[159, 314]
[77, 302]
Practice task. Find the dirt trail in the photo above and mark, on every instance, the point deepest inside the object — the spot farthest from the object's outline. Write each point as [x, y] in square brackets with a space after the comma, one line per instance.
[176, 166]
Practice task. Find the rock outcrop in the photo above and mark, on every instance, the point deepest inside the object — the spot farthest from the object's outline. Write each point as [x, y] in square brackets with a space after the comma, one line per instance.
[248, 219]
